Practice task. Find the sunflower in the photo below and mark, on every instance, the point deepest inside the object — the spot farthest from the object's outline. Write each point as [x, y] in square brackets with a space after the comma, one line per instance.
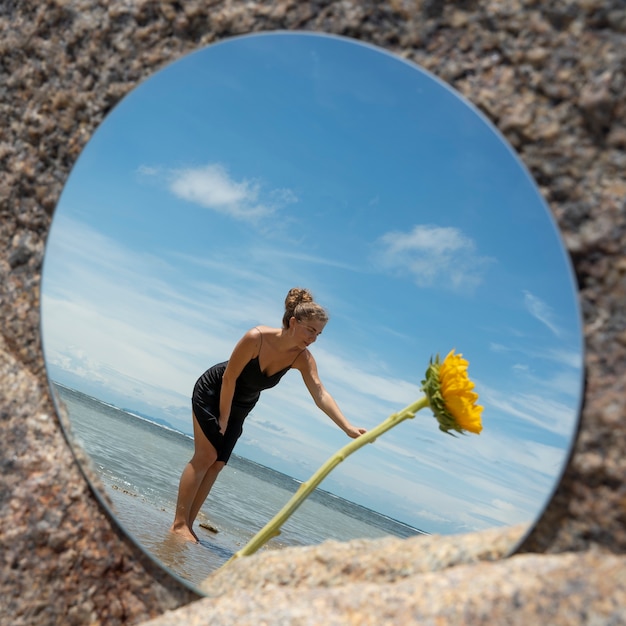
[450, 395]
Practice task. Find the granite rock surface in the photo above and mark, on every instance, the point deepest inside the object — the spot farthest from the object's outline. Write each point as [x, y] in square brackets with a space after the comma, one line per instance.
[524, 589]
[551, 76]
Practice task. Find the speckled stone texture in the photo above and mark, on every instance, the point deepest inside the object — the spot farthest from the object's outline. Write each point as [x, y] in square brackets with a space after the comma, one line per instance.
[382, 561]
[551, 76]
[523, 590]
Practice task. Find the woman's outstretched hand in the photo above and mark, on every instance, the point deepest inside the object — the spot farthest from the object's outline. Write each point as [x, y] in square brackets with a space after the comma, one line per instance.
[355, 432]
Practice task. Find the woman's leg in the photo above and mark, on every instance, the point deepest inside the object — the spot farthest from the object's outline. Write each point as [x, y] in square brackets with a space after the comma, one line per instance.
[204, 456]
[204, 489]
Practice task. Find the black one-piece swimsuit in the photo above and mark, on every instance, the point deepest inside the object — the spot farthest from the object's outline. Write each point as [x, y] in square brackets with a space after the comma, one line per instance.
[206, 402]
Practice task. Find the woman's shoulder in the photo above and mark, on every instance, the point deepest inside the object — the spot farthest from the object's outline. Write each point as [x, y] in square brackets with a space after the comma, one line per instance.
[250, 340]
[264, 330]
[256, 332]
[262, 333]
[255, 336]
[304, 361]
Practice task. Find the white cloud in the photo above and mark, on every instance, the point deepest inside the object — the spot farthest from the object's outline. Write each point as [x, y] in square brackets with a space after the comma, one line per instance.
[552, 415]
[541, 311]
[553, 373]
[282, 256]
[350, 375]
[148, 170]
[271, 426]
[212, 187]
[563, 356]
[569, 358]
[434, 256]
[117, 307]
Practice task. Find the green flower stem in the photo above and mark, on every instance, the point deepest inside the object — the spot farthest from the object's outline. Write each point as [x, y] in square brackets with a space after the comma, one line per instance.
[272, 528]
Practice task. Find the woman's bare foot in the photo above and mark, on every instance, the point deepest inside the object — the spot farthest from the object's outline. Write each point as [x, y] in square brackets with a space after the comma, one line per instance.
[182, 530]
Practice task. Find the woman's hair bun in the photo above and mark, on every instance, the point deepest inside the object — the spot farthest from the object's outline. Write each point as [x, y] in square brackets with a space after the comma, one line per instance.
[296, 296]
[299, 303]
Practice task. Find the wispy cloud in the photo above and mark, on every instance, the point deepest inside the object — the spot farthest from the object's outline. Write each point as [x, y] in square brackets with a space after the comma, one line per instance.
[309, 259]
[125, 310]
[553, 415]
[541, 311]
[434, 256]
[211, 186]
[562, 356]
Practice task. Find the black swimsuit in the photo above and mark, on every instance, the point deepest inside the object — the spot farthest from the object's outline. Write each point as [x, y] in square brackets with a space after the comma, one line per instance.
[206, 401]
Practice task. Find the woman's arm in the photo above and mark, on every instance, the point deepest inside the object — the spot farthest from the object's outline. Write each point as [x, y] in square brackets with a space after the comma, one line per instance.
[247, 348]
[305, 363]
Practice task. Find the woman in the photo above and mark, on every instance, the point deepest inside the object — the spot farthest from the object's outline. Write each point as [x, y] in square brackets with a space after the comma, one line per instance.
[225, 394]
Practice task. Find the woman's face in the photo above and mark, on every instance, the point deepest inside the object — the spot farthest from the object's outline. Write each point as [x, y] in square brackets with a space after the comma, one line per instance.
[307, 330]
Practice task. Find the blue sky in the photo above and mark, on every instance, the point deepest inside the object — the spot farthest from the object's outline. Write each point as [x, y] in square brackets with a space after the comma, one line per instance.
[279, 160]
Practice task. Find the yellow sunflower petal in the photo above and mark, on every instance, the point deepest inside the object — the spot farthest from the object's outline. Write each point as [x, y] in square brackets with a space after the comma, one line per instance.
[450, 394]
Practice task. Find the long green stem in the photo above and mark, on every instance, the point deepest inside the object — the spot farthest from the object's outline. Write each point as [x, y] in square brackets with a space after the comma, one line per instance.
[272, 528]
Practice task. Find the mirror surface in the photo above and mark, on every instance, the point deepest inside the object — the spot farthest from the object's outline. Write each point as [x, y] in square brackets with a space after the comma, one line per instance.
[288, 159]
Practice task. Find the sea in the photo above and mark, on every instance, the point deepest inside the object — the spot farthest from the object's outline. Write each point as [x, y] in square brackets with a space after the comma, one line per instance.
[139, 462]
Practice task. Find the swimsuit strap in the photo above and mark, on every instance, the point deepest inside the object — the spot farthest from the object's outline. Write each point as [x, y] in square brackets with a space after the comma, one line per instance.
[297, 355]
[261, 334]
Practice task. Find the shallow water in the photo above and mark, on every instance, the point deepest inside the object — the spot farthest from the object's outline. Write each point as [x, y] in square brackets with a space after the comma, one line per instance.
[139, 464]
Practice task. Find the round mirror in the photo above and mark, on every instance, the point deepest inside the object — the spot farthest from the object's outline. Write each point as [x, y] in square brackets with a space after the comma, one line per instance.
[288, 159]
